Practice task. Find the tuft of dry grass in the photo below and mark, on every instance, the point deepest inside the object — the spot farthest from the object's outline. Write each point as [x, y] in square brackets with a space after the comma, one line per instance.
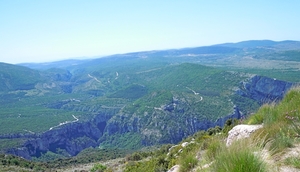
[241, 156]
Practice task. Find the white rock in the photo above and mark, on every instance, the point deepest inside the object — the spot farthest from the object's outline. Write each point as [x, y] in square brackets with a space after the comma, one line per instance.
[175, 168]
[241, 131]
[172, 147]
[184, 144]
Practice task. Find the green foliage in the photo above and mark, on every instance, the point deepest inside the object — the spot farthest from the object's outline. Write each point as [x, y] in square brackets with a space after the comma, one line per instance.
[98, 168]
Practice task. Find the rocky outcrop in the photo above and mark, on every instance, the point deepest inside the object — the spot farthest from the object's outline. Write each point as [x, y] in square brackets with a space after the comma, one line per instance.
[241, 131]
[264, 89]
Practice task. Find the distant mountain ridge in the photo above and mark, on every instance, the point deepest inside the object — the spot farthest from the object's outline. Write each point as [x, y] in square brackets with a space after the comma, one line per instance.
[225, 48]
[56, 64]
[260, 43]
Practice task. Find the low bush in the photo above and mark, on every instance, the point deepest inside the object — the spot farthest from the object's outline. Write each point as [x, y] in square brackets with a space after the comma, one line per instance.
[239, 157]
[98, 168]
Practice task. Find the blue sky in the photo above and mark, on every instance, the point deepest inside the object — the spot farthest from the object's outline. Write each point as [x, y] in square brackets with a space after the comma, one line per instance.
[48, 30]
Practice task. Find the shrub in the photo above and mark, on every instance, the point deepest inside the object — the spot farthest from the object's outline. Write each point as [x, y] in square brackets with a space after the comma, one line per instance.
[136, 156]
[239, 157]
[215, 130]
[98, 168]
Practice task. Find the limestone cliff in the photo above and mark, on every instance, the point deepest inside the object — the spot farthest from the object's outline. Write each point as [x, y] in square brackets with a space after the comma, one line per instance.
[264, 89]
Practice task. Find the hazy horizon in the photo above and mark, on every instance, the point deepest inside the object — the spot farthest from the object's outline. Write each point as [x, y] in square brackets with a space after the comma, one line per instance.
[100, 56]
[44, 31]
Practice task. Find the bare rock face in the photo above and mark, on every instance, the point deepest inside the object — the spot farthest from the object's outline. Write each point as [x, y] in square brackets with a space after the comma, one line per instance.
[264, 89]
[241, 131]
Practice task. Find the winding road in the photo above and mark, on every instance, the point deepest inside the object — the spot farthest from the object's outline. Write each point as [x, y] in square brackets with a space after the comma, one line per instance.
[66, 122]
[94, 78]
[201, 98]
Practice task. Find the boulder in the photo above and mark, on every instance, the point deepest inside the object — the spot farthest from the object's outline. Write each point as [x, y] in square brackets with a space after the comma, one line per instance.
[241, 131]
